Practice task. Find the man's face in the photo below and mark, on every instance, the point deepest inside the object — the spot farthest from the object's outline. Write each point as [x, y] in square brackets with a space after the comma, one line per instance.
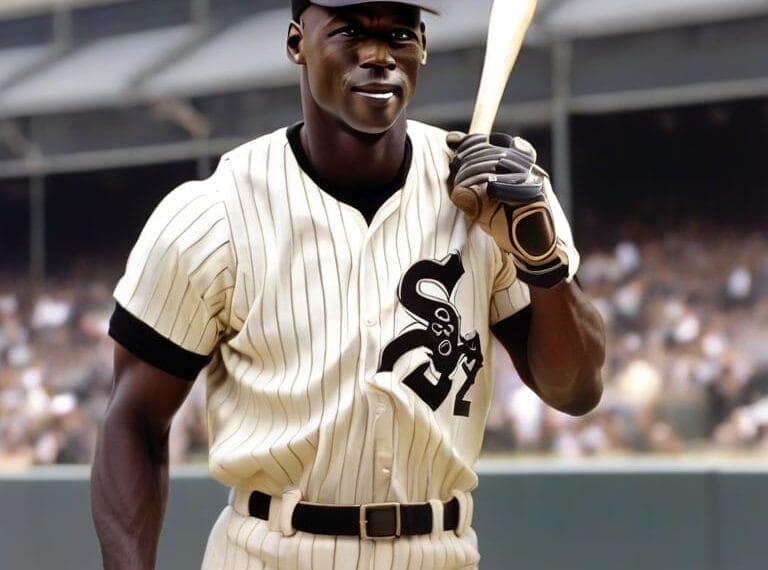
[362, 62]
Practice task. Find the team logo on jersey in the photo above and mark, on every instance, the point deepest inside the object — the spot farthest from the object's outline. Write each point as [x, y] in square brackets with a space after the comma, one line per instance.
[426, 291]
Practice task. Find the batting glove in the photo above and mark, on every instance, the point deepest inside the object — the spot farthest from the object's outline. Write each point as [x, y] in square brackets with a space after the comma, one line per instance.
[495, 181]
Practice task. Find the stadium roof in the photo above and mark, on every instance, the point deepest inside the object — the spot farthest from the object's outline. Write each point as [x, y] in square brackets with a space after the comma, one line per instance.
[101, 73]
[251, 53]
[458, 27]
[14, 61]
[181, 61]
[12, 8]
[580, 18]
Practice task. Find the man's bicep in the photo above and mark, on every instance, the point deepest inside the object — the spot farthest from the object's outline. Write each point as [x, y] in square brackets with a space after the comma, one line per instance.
[512, 333]
[144, 393]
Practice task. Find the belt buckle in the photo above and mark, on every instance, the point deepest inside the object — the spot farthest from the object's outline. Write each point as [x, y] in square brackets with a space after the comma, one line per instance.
[379, 507]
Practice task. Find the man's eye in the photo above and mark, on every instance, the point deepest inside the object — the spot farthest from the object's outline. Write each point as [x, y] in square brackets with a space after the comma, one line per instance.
[402, 35]
[349, 32]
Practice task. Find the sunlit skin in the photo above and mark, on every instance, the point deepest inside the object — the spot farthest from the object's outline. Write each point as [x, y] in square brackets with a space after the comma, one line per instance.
[362, 63]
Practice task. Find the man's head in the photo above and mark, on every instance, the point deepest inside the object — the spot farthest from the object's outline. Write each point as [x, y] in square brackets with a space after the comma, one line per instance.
[360, 59]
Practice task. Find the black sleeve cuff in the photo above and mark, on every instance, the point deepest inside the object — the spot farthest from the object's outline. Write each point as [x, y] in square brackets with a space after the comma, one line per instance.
[150, 346]
[518, 323]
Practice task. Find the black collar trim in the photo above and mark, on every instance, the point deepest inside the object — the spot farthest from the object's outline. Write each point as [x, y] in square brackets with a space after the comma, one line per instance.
[367, 202]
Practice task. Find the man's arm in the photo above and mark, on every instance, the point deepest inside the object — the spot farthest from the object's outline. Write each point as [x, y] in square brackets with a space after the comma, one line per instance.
[129, 480]
[558, 344]
[558, 347]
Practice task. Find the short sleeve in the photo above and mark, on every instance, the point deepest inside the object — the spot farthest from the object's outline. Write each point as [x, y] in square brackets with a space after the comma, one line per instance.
[512, 295]
[178, 280]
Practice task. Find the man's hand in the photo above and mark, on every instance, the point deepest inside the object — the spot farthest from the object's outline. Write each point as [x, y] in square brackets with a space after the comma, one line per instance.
[495, 181]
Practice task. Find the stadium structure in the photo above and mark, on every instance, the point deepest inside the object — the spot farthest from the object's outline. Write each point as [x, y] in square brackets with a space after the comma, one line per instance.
[106, 104]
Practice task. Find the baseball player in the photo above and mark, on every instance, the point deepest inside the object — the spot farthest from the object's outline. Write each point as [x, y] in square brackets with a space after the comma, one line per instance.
[336, 284]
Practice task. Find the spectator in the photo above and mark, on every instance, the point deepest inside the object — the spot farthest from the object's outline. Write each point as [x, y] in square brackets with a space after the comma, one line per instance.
[686, 313]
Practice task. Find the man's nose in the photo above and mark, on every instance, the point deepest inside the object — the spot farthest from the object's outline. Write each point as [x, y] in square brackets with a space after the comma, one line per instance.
[376, 53]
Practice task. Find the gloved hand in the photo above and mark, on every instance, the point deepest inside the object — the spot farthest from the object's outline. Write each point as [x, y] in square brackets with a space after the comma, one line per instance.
[495, 181]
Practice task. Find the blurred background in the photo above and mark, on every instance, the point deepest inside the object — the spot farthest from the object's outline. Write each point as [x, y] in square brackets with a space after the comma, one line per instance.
[652, 118]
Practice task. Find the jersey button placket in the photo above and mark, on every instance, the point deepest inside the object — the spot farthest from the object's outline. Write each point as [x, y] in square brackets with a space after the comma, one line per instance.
[369, 311]
[380, 406]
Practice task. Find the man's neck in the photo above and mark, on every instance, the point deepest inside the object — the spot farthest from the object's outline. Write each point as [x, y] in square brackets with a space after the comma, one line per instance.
[348, 160]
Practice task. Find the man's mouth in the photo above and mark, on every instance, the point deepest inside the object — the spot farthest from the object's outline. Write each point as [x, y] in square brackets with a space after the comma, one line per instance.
[382, 96]
[378, 91]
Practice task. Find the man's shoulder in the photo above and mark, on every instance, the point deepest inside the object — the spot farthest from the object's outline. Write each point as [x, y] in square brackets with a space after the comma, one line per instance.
[245, 153]
[237, 168]
[425, 129]
[425, 136]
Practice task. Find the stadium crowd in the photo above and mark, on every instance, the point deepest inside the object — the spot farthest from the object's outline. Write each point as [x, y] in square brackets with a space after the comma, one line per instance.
[687, 322]
[687, 370]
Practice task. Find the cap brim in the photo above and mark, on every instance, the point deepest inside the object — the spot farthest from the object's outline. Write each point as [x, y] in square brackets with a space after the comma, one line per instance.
[428, 5]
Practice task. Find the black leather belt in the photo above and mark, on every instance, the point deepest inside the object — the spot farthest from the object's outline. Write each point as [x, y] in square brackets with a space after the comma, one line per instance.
[374, 520]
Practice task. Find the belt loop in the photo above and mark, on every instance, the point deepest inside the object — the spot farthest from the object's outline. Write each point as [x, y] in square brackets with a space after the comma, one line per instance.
[232, 497]
[466, 508]
[437, 517]
[238, 499]
[275, 508]
[289, 500]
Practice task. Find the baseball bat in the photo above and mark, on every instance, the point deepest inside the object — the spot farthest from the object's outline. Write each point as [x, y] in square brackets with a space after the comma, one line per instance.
[508, 25]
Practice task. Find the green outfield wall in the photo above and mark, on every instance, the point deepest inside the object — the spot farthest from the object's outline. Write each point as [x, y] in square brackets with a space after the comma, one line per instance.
[639, 515]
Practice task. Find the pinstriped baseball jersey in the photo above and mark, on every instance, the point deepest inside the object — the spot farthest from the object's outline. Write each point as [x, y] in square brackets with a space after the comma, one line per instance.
[348, 360]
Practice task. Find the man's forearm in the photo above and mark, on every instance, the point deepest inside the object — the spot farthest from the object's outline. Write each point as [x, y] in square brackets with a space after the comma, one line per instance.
[129, 486]
[566, 348]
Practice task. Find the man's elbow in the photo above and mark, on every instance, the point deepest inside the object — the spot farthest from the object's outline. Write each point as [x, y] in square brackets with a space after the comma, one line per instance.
[587, 388]
[586, 398]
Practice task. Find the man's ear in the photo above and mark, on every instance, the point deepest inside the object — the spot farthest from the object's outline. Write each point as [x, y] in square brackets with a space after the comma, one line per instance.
[423, 44]
[294, 44]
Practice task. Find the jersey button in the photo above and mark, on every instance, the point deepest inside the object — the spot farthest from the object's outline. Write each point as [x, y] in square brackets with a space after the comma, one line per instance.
[371, 321]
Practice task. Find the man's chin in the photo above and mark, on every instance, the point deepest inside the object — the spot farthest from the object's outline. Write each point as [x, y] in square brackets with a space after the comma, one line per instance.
[375, 125]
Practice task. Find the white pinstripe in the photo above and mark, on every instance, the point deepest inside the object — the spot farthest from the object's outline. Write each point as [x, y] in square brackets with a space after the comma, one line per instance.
[297, 297]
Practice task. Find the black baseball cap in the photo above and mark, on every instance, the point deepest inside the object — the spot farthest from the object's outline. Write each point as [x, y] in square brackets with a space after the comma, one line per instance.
[298, 6]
